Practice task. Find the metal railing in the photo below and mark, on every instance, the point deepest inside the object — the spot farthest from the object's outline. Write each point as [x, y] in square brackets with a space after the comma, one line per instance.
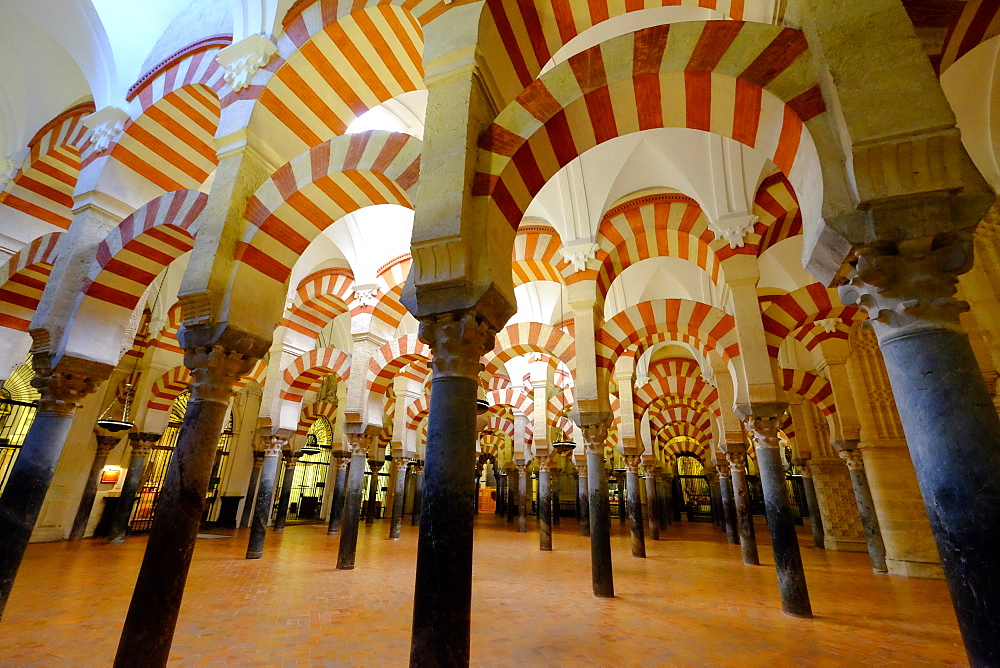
[15, 420]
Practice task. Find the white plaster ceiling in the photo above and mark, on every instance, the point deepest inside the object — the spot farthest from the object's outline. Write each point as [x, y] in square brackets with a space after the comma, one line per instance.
[662, 278]
[781, 266]
[403, 113]
[539, 301]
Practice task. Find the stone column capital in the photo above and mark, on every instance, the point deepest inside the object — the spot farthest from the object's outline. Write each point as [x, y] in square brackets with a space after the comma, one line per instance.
[258, 457]
[64, 386]
[632, 463]
[910, 285]
[274, 445]
[765, 431]
[106, 443]
[400, 463]
[737, 461]
[522, 469]
[215, 369]
[359, 443]
[458, 340]
[291, 458]
[853, 459]
[803, 466]
[375, 465]
[723, 469]
[595, 436]
[343, 463]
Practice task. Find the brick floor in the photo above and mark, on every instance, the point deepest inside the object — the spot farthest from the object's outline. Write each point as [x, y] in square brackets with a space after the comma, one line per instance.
[691, 602]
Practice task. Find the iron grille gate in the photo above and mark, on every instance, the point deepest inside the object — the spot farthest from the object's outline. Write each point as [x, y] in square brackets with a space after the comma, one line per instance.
[15, 420]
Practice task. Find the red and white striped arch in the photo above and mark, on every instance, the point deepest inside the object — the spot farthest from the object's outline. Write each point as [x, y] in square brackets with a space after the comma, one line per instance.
[795, 313]
[523, 35]
[669, 414]
[417, 411]
[516, 400]
[389, 360]
[43, 187]
[777, 209]
[319, 298]
[810, 386]
[536, 255]
[336, 60]
[309, 370]
[500, 423]
[661, 320]
[680, 388]
[698, 445]
[145, 243]
[22, 281]
[317, 188]
[167, 388]
[748, 82]
[313, 412]
[530, 337]
[166, 338]
[388, 309]
[978, 21]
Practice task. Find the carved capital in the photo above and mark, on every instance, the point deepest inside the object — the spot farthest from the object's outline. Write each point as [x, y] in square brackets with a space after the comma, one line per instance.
[106, 443]
[579, 254]
[522, 469]
[274, 445]
[595, 436]
[853, 459]
[365, 295]
[722, 468]
[359, 443]
[242, 60]
[632, 463]
[62, 389]
[803, 466]
[458, 341]
[291, 458]
[828, 325]
[106, 127]
[910, 286]
[215, 370]
[258, 457]
[733, 229]
[765, 431]
[375, 465]
[400, 463]
[142, 442]
[737, 461]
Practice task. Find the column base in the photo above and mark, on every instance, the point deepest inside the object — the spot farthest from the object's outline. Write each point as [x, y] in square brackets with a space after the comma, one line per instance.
[915, 569]
[844, 544]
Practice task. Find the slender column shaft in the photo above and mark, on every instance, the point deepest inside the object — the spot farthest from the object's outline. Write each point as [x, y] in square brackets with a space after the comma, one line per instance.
[622, 494]
[251, 495]
[554, 487]
[866, 508]
[286, 492]
[418, 491]
[741, 501]
[675, 497]
[141, 443]
[714, 495]
[337, 504]
[583, 502]
[511, 490]
[501, 505]
[396, 525]
[780, 522]
[544, 508]
[522, 499]
[652, 513]
[815, 521]
[262, 505]
[728, 504]
[156, 600]
[36, 463]
[373, 484]
[352, 503]
[633, 504]
[600, 524]
[105, 444]
[661, 502]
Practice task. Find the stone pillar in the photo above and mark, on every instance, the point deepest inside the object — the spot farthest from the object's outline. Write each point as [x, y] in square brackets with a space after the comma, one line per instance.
[442, 597]
[351, 519]
[142, 444]
[273, 445]
[156, 600]
[373, 485]
[341, 461]
[258, 461]
[544, 505]
[401, 464]
[784, 542]
[582, 501]
[814, 516]
[714, 495]
[62, 389]
[600, 511]
[737, 458]
[522, 498]
[105, 444]
[511, 489]
[622, 479]
[662, 506]
[676, 496]
[633, 505]
[842, 530]
[501, 492]
[418, 491]
[951, 424]
[554, 474]
[291, 460]
[652, 510]
[728, 502]
[866, 507]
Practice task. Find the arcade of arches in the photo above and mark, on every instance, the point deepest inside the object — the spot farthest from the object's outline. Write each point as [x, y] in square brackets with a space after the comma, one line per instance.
[651, 262]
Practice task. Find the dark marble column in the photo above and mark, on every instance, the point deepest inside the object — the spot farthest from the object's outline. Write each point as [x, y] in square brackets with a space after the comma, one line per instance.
[866, 507]
[511, 489]
[736, 455]
[246, 517]
[442, 597]
[544, 506]
[675, 496]
[622, 496]
[652, 512]
[633, 506]
[373, 484]
[714, 493]
[523, 498]
[600, 511]
[105, 444]
[583, 501]
[475, 497]
[291, 460]
[351, 519]
[273, 445]
[418, 491]
[780, 522]
[142, 444]
[341, 460]
[501, 505]
[662, 502]
[815, 520]
[156, 600]
[62, 389]
[951, 424]
[554, 474]
[728, 502]
[402, 465]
